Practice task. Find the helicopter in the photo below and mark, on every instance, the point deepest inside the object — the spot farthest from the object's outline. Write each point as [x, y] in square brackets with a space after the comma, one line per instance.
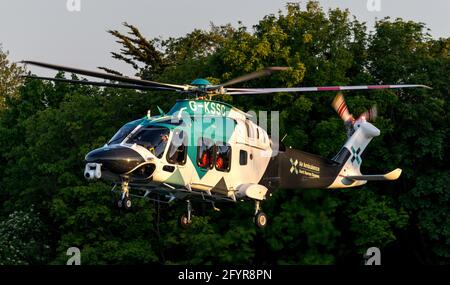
[210, 151]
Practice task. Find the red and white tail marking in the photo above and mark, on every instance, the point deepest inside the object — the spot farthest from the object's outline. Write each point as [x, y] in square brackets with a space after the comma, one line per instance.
[341, 107]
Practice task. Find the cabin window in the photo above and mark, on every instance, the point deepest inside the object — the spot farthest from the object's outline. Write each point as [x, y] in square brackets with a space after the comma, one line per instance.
[205, 153]
[223, 157]
[257, 133]
[177, 150]
[243, 157]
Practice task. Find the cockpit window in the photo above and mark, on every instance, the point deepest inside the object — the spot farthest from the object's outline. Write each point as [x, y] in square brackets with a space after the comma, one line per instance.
[152, 138]
[123, 132]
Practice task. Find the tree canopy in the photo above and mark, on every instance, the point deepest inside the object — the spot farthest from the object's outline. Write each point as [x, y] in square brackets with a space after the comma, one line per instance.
[47, 128]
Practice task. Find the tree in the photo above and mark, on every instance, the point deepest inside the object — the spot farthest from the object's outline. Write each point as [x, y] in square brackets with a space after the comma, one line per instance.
[10, 79]
[23, 239]
[417, 138]
[151, 57]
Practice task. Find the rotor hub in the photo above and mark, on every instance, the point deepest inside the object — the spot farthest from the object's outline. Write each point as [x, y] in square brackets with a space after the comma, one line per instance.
[200, 82]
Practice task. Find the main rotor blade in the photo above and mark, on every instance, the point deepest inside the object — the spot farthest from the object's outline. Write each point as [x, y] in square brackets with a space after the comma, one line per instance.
[259, 73]
[107, 76]
[102, 84]
[248, 91]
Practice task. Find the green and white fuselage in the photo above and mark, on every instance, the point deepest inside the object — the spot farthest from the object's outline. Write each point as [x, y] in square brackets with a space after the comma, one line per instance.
[194, 127]
[213, 151]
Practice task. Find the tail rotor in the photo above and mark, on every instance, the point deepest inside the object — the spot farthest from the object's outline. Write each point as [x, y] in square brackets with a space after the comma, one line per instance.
[370, 115]
[341, 108]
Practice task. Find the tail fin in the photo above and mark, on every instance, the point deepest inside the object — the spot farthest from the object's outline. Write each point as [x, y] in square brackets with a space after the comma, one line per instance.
[298, 169]
[350, 156]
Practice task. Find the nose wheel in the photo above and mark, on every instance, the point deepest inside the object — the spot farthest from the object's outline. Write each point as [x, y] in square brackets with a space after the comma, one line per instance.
[125, 200]
[185, 220]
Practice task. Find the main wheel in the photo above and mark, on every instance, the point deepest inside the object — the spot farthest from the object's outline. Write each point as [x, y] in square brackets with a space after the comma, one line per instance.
[183, 221]
[127, 203]
[119, 203]
[260, 220]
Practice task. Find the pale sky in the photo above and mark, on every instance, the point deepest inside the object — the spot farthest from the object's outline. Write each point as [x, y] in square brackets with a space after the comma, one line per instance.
[45, 30]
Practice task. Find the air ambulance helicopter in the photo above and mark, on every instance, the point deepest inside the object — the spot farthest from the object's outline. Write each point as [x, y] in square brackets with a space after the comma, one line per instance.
[210, 151]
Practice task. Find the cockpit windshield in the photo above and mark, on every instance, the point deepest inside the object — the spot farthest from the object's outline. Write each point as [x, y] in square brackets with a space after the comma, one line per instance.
[152, 138]
[123, 132]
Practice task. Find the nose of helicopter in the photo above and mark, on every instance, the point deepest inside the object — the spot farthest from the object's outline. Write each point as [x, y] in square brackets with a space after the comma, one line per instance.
[116, 159]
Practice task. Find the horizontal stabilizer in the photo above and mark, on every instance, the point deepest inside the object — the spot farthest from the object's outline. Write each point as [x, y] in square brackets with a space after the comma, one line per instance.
[393, 175]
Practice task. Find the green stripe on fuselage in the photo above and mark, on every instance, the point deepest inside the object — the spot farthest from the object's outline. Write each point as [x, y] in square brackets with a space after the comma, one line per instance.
[200, 119]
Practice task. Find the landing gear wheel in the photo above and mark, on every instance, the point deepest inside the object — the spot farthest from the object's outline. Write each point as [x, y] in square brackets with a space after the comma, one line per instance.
[119, 203]
[126, 203]
[184, 221]
[260, 220]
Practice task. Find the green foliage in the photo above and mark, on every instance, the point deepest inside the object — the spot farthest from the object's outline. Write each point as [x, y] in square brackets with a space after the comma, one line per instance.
[47, 128]
[303, 229]
[206, 243]
[374, 219]
[23, 239]
[151, 57]
[103, 235]
[429, 202]
[10, 79]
